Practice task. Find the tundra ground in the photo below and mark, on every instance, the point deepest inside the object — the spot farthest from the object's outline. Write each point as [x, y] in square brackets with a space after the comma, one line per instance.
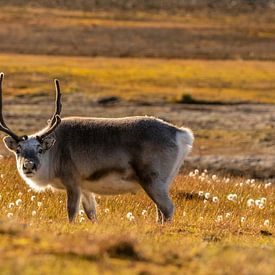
[115, 63]
[221, 226]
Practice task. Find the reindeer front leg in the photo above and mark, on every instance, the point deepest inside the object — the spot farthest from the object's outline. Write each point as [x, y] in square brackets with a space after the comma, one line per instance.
[73, 196]
[73, 200]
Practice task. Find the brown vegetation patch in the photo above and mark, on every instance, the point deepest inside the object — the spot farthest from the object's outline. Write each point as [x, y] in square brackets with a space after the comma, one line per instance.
[195, 36]
[122, 247]
[11, 228]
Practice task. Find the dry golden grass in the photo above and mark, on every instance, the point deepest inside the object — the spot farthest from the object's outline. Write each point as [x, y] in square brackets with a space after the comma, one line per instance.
[142, 78]
[197, 34]
[209, 235]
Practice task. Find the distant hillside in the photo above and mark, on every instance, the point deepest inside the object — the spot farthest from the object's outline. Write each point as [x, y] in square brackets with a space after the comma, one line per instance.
[151, 29]
[167, 5]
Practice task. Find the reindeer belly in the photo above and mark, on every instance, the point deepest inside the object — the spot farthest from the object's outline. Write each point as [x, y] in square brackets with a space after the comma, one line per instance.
[111, 182]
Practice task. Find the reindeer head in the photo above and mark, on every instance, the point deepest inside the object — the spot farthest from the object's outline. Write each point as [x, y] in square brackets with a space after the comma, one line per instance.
[29, 150]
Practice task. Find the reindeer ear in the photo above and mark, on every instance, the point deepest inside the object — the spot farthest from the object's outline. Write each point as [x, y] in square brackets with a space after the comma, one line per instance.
[10, 143]
[48, 142]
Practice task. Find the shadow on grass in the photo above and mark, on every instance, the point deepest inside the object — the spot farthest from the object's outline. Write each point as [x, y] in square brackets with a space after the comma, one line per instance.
[188, 99]
[92, 250]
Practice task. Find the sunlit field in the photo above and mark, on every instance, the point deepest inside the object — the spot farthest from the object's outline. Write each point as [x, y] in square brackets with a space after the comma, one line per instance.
[221, 224]
[179, 33]
[131, 79]
[210, 68]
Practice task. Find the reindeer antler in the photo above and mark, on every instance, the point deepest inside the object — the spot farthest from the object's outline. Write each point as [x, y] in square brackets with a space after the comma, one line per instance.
[53, 122]
[56, 119]
[58, 104]
[3, 127]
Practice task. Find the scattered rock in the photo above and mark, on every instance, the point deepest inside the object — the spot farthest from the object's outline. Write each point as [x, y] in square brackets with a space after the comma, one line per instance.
[108, 100]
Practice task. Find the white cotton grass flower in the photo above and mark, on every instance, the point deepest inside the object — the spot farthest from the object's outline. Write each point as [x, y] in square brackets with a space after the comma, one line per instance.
[266, 223]
[214, 177]
[192, 175]
[10, 215]
[242, 219]
[130, 216]
[32, 198]
[261, 206]
[215, 199]
[263, 200]
[227, 215]
[81, 212]
[11, 205]
[219, 218]
[82, 219]
[250, 202]
[232, 197]
[106, 210]
[258, 202]
[200, 193]
[207, 195]
[229, 197]
[34, 213]
[39, 203]
[18, 202]
[196, 171]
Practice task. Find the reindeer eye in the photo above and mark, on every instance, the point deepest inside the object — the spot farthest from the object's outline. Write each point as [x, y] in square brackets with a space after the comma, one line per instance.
[18, 151]
[40, 150]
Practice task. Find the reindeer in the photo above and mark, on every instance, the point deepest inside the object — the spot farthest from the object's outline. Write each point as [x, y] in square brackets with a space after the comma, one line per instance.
[106, 156]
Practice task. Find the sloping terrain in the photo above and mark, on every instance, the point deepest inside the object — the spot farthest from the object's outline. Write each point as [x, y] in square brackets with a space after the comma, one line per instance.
[202, 34]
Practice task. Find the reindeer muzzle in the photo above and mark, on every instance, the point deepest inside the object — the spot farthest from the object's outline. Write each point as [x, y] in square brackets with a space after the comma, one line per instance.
[29, 167]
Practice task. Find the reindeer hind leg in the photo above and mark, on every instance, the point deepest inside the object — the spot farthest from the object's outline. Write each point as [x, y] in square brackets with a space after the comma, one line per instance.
[89, 205]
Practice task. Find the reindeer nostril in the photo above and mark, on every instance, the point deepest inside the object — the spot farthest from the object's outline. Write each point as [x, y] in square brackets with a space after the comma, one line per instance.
[28, 165]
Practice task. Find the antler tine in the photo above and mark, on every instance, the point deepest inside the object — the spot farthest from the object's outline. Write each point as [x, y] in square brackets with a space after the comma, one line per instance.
[56, 119]
[1, 99]
[58, 104]
[3, 127]
[55, 123]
